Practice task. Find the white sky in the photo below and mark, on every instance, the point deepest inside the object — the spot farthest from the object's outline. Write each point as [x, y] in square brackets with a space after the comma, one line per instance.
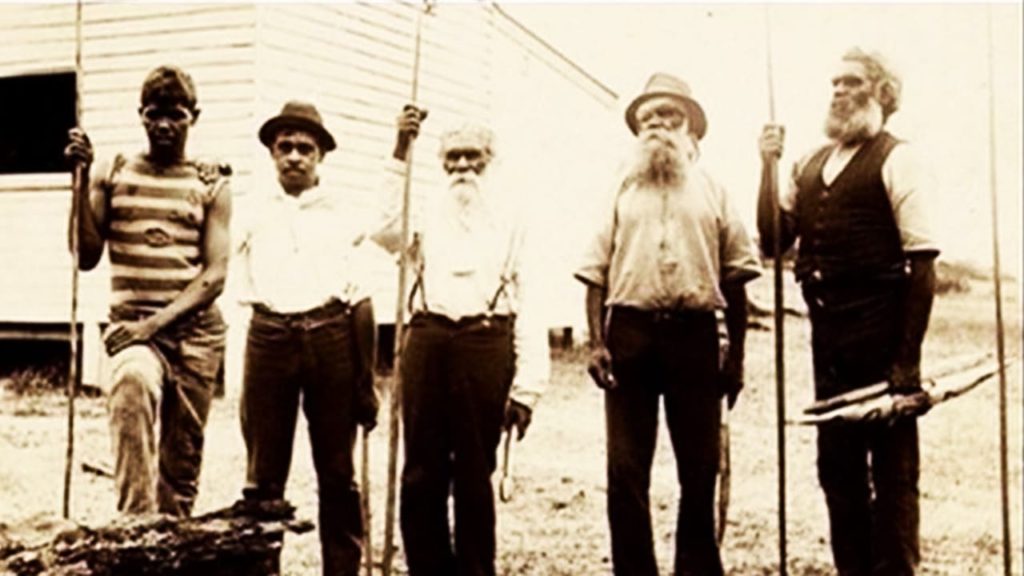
[941, 51]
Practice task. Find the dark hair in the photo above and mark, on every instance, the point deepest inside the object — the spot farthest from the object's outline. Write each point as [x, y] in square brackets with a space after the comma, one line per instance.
[169, 84]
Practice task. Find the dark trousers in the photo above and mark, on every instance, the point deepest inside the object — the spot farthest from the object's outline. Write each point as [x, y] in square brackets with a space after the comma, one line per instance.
[869, 474]
[867, 470]
[455, 382]
[672, 356]
[309, 355]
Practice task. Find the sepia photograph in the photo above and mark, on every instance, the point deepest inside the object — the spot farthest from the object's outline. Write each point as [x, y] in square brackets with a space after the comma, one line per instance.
[453, 288]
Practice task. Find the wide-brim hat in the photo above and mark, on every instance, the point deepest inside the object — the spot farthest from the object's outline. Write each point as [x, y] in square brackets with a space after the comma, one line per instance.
[661, 84]
[297, 115]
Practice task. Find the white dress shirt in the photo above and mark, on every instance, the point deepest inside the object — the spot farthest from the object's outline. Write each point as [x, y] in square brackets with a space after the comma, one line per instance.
[297, 253]
[462, 255]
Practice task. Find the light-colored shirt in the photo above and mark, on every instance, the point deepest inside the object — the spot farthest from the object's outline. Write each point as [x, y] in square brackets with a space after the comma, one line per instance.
[904, 181]
[462, 257]
[661, 249]
[297, 253]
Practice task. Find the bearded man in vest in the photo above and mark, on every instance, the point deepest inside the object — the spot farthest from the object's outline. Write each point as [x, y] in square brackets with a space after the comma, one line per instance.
[475, 358]
[165, 220]
[866, 268]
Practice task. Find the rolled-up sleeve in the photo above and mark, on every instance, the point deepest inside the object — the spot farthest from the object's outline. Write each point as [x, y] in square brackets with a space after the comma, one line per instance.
[739, 260]
[597, 254]
[530, 338]
[906, 183]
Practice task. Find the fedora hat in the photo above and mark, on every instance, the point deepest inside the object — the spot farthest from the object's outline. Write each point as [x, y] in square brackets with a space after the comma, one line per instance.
[297, 115]
[661, 84]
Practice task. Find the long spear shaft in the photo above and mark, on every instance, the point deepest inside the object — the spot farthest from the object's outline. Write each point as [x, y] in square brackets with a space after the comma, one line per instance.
[365, 495]
[997, 284]
[77, 181]
[395, 407]
[780, 357]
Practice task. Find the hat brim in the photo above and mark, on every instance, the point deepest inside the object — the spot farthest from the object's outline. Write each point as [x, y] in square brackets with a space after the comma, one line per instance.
[698, 121]
[268, 132]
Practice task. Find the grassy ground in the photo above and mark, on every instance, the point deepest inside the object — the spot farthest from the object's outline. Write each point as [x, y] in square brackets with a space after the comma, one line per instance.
[556, 523]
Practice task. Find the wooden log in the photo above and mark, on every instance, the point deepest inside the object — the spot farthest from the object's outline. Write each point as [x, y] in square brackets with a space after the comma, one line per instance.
[242, 540]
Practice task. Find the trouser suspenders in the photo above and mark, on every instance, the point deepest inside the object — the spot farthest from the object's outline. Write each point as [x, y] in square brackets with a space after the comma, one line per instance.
[419, 286]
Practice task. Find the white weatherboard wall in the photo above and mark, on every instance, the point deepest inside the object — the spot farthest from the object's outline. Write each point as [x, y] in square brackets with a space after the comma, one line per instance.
[355, 62]
[120, 43]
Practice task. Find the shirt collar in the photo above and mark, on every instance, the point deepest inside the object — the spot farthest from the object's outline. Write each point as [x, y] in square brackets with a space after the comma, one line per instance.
[311, 197]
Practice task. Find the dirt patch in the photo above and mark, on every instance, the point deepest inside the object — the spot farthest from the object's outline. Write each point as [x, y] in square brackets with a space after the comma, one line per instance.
[556, 524]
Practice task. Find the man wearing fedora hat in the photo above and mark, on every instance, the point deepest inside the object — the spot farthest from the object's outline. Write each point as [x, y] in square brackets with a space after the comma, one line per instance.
[670, 252]
[859, 206]
[164, 218]
[311, 336]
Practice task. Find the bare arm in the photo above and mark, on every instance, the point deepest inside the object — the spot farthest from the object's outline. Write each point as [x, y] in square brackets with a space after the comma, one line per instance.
[917, 311]
[92, 202]
[364, 332]
[216, 249]
[735, 294]
[595, 314]
[600, 365]
[771, 150]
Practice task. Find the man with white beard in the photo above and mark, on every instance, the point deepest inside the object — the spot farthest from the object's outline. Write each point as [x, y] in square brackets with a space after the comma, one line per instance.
[670, 251]
[475, 358]
[865, 265]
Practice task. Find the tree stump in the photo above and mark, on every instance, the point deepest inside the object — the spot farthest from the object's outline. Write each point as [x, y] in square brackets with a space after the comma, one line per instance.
[243, 540]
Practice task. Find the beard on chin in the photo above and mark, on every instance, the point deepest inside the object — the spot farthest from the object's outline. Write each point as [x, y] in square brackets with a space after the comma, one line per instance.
[855, 122]
[660, 163]
[465, 186]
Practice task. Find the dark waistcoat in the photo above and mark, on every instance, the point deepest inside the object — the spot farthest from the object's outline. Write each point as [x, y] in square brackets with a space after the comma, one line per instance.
[847, 229]
[852, 268]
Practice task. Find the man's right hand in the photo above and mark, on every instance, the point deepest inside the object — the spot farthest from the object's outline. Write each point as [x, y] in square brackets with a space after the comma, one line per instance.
[772, 142]
[408, 129]
[600, 367]
[79, 149]
[367, 403]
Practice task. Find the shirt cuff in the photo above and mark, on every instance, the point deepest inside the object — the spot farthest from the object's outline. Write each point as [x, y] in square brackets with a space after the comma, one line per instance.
[591, 277]
[527, 394]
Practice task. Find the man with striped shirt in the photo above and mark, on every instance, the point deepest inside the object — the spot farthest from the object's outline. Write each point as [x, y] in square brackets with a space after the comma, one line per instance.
[165, 219]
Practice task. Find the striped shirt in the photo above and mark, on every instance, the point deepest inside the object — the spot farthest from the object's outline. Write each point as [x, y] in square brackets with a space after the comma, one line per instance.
[156, 220]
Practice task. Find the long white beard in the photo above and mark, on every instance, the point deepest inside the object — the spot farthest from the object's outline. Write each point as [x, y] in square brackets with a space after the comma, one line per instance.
[466, 192]
[862, 122]
[660, 163]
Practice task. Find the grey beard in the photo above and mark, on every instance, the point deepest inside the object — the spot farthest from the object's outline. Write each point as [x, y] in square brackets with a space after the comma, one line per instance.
[661, 167]
[863, 123]
[465, 193]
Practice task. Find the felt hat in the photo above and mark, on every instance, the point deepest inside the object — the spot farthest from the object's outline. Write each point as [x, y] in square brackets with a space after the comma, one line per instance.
[297, 115]
[661, 84]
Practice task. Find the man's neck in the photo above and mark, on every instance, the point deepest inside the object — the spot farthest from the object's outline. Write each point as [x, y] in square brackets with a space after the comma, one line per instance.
[165, 158]
[296, 192]
[861, 137]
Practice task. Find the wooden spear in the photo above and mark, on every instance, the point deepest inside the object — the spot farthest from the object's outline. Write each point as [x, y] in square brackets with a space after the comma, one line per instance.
[779, 309]
[1004, 480]
[78, 180]
[396, 400]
